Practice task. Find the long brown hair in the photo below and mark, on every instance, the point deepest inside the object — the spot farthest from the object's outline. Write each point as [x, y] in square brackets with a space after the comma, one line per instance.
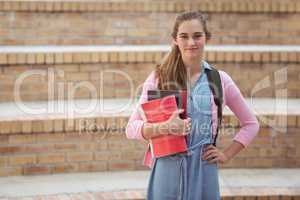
[171, 73]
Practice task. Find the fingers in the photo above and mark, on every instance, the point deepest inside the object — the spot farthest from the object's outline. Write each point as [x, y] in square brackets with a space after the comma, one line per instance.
[175, 114]
[177, 126]
[214, 160]
[209, 154]
[179, 111]
[188, 122]
[209, 147]
[187, 125]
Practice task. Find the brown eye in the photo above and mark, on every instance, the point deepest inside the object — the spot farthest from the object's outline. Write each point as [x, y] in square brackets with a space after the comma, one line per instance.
[198, 36]
[183, 36]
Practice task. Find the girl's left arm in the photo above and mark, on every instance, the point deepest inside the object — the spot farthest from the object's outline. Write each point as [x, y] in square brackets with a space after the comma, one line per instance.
[249, 124]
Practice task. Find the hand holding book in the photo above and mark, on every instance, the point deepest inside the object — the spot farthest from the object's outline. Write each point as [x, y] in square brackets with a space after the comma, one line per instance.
[169, 137]
[175, 125]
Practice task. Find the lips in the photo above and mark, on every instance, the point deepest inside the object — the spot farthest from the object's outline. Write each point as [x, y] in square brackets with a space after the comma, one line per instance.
[191, 49]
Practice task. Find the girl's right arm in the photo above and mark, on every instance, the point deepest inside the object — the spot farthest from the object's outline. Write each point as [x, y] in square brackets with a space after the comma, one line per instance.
[137, 128]
[174, 125]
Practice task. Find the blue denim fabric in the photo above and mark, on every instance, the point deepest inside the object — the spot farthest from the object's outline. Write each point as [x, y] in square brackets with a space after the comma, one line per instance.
[186, 176]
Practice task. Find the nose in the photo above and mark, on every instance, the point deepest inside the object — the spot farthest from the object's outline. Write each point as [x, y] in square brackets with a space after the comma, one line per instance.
[191, 41]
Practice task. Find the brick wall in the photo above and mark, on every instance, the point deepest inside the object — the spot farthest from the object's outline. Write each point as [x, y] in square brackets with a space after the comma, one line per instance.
[48, 146]
[91, 75]
[99, 144]
[100, 23]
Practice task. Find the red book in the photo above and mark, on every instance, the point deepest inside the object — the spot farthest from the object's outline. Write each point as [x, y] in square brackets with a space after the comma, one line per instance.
[180, 95]
[160, 110]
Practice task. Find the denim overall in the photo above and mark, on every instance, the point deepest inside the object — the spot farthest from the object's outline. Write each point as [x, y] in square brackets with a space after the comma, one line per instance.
[186, 176]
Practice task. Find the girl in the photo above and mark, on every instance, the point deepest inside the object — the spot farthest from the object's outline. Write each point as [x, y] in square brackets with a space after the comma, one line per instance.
[192, 175]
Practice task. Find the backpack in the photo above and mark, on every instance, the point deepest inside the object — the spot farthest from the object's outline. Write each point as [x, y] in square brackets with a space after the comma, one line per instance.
[215, 86]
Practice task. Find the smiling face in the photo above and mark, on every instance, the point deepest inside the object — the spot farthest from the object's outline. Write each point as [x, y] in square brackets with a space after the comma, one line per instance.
[190, 39]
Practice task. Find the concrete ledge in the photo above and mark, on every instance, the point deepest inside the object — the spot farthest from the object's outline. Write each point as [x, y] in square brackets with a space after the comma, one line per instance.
[148, 6]
[234, 184]
[65, 116]
[66, 142]
[12, 55]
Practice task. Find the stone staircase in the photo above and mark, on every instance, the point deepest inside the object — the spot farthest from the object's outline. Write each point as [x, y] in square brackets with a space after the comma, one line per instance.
[71, 72]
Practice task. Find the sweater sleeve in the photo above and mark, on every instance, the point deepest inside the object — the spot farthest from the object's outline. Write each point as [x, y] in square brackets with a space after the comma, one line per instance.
[237, 104]
[135, 124]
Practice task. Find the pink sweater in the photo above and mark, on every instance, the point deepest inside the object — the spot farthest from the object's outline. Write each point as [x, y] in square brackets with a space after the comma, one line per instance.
[232, 98]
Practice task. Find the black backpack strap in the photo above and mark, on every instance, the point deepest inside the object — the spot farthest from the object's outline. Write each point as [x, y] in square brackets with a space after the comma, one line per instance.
[215, 85]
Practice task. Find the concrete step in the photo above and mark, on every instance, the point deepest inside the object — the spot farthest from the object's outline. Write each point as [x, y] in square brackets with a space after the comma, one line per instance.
[100, 22]
[66, 137]
[83, 72]
[234, 184]
[89, 108]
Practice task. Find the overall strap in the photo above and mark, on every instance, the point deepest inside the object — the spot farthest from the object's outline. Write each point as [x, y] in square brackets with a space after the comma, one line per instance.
[215, 86]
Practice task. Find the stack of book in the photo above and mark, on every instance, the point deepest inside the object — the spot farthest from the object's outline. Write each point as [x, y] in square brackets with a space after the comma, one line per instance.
[159, 108]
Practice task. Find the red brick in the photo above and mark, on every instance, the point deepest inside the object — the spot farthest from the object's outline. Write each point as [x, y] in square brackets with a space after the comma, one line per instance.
[211, 56]
[139, 145]
[262, 198]
[292, 121]
[21, 58]
[77, 76]
[22, 160]
[26, 127]
[258, 162]
[4, 139]
[65, 147]
[87, 146]
[120, 144]
[249, 153]
[72, 137]
[58, 58]
[49, 58]
[51, 158]
[10, 149]
[286, 198]
[79, 156]
[40, 58]
[121, 165]
[3, 161]
[68, 57]
[65, 167]
[30, 58]
[37, 148]
[256, 57]
[10, 171]
[50, 137]
[12, 58]
[22, 139]
[5, 127]
[132, 155]
[101, 145]
[3, 58]
[79, 126]
[37, 126]
[263, 141]
[93, 166]
[36, 169]
[58, 125]
[105, 155]
[48, 126]
[271, 197]
[16, 127]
